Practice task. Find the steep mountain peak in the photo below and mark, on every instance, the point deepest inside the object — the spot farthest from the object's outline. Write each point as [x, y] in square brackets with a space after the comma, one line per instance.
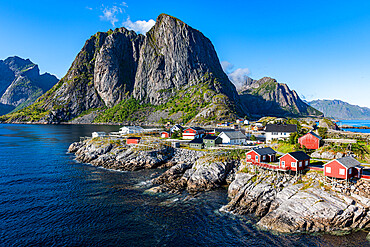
[17, 64]
[21, 83]
[251, 84]
[175, 56]
[168, 18]
[266, 96]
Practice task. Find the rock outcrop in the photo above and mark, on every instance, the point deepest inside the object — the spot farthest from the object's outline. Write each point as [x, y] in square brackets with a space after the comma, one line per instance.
[205, 174]
[115, 154]
[21, 83]
[286, 204]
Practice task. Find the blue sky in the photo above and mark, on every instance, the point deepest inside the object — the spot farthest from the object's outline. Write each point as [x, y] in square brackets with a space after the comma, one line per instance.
[319, 48]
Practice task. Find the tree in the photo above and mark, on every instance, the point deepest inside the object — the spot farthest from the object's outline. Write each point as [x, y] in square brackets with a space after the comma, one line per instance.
[176, 134]
[253, 138]
[323, 132]
[293, 138]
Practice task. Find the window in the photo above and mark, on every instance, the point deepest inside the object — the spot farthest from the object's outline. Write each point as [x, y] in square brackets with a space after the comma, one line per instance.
[249, 156]
[256, 158]
[300, 163]
[328, 169]
[306, 163]
[342, 171]
[264, 157]
[293, 164]
[350, 171]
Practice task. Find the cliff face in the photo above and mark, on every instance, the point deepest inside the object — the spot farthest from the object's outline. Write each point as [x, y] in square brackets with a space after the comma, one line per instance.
[268, 97]
[175, 56]
[21, 83]
[119, 69]
[341, 110]
[116, 65]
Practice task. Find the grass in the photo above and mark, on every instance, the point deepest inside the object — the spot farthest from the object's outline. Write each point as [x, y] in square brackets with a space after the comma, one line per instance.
[285, 147]
[124, 111]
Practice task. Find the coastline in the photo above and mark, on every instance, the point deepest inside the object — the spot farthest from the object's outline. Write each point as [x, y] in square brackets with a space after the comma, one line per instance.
[251, 190]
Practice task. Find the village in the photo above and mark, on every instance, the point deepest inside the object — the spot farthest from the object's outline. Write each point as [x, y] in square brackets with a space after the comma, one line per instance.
[258, 140]
[294, 174]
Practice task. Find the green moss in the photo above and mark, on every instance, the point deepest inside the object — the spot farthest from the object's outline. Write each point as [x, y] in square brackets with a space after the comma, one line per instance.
[124, 111]
[268, 86]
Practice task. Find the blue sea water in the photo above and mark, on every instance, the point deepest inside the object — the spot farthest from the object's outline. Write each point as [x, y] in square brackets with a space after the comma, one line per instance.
[48, 199]
[356, 123]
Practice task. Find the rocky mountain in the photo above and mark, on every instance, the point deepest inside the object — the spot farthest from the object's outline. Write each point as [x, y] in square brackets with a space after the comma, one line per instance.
[341, 110]
[21, 83]
[267, 97]
[170, 74]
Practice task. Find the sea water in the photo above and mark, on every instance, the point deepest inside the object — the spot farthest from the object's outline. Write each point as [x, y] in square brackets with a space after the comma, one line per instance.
[355, 123]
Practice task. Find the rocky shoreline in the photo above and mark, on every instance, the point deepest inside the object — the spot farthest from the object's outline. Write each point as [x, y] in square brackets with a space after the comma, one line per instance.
[282, 202]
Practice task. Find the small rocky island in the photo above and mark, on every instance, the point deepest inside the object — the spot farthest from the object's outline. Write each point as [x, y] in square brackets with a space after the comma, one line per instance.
[282, 202]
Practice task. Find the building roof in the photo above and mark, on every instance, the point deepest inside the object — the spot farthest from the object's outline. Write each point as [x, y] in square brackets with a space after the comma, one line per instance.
[223, 130]
[132, 127]
[264, 151]
[299, 155]
[314, 134]
[209, 137]
[195, 128]
[233, 135]
[164, 131]
[134, 137]
[349, 161]
[288, 128]
[178, 126]
[196, 141]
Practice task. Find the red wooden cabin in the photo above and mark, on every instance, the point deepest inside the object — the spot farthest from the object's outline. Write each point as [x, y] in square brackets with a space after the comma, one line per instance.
[165, 134]
[133, 140]
[193, 133]
[343, 168]
[295, 161]
[261, 155]
[310, 140]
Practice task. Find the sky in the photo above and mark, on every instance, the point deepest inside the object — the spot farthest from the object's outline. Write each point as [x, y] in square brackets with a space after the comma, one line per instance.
[321, 49]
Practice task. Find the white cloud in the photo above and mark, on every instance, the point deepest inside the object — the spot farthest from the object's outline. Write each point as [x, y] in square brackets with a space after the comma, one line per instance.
[111, 14]
[226, 66]
[139, 26]
[89, 8]
[239, 76]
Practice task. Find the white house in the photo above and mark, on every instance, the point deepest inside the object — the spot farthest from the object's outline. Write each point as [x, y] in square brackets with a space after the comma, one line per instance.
[98, 134]
[233, 137]
[246, 122]
[279, 131]
[131, 130]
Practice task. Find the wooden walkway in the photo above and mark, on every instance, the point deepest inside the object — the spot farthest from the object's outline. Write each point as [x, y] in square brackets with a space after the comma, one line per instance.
[268, 166]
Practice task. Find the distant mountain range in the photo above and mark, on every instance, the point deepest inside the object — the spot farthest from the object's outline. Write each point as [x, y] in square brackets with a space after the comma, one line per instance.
[341, 110]
[21, 83]
[171, 74]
